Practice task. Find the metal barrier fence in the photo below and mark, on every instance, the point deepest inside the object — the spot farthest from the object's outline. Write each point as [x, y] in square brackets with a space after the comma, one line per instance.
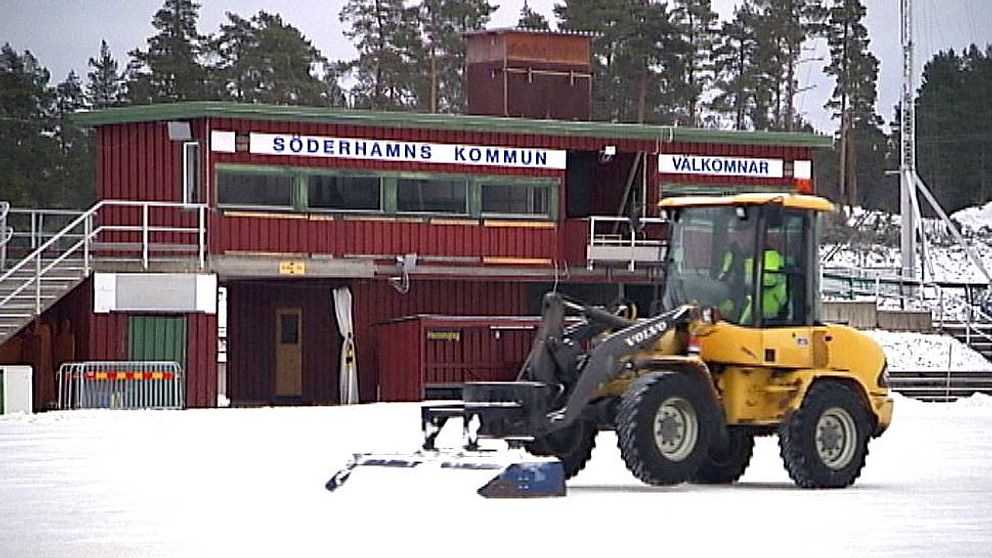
[121, 385]
[940, 385]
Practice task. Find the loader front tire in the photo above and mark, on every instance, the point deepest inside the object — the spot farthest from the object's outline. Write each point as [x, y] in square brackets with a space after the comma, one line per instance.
[724, 465]
[664, 423]
[572, 445]
[824, 444]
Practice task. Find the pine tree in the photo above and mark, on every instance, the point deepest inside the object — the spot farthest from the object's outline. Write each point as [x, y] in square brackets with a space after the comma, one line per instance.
[855, 70]
[636, 58]
[71, 182]
[334, 72]
[736, 80]
[27, 146]
[954, 142]
[697, 23]
[387, 36]
[104, 86]
[789, 24]
[170, 70]
[444, 22]
[529, 19]
[264, 60]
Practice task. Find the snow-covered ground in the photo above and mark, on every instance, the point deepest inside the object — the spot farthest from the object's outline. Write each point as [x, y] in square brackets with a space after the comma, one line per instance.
[249, 482]
[947, 261]
[927, 351]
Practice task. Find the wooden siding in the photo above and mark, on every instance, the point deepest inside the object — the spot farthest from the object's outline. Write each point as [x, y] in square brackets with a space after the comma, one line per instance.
[108, 341]
[431, 351]
[137, 161]
[339, 237]
[376, 302]
[70, 331]
[251, 340]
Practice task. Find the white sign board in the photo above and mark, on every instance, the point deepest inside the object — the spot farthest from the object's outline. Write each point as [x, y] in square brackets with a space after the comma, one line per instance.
[154, 292]
[406, 151]
[717, 165]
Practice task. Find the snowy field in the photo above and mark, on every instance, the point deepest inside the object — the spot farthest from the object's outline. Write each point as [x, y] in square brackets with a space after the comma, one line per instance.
[249, 482]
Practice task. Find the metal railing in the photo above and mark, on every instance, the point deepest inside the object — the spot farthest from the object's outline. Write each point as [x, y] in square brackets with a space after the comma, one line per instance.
[111, 229]
[121, 385]
[940, 385]
[949, 301]
[616, 239]
[6, 233]
[32, 227]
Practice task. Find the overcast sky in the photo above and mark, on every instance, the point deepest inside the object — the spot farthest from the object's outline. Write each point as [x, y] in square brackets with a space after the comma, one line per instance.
[63, 34]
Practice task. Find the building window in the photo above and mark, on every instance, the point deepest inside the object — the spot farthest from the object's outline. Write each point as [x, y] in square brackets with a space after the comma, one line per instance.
[385, 193]
[516, 199]
[431, 195]
[344, 192]
[191, 172]
[255, 189]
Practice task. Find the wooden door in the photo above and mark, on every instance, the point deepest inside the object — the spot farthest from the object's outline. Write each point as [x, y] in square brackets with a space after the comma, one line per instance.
[161, 338]
[289, 352]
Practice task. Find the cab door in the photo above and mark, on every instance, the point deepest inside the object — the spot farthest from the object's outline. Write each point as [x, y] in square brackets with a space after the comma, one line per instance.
[788, 291]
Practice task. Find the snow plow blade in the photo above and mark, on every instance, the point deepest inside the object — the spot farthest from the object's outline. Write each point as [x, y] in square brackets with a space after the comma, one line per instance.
[527, 480]
[535, 477]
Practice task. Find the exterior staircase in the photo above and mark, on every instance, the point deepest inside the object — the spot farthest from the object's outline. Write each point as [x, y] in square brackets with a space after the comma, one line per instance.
[110, 236]
[976, 334]
[24, 297]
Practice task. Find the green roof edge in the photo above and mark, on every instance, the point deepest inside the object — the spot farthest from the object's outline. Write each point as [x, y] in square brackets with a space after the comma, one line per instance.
[358, 117]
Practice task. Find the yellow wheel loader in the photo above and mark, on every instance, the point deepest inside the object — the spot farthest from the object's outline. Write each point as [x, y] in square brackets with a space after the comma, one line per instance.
[738, 350]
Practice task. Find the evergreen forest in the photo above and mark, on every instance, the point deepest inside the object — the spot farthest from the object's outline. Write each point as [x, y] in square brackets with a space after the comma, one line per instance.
[671, 62]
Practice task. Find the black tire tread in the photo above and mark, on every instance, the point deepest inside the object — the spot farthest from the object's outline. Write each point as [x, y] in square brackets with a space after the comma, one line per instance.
[727, 469]
[574, 460]
[803, 466]
[639, 454]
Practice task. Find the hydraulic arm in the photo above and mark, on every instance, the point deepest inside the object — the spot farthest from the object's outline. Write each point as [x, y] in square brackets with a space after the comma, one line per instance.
[559, 377]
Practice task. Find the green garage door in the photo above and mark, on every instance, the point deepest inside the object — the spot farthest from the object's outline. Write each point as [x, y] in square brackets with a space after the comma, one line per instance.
[157, 338]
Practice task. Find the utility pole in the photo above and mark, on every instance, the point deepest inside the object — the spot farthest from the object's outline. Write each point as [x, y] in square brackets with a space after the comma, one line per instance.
[907, 157]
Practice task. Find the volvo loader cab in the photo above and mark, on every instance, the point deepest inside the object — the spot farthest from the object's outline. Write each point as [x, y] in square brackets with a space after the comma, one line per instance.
[738, 350]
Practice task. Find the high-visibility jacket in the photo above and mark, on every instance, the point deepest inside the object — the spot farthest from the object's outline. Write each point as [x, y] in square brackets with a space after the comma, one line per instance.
[773, 284]
[774, 289]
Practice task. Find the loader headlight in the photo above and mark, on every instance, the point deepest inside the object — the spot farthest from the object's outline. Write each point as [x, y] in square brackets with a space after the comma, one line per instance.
[883, 376]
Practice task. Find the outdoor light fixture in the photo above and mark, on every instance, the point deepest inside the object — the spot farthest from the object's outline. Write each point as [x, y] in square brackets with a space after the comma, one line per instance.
[180, 131]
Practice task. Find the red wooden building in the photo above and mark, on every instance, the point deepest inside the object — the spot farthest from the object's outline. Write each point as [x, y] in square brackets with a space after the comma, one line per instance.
[275, 207]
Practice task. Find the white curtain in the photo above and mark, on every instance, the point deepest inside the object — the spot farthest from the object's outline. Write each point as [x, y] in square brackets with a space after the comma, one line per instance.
[348, 379]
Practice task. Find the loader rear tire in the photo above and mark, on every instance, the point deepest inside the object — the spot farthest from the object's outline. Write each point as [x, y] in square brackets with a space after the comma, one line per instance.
[572, 445]
[824, 444]
[725, 465]
[664, 422]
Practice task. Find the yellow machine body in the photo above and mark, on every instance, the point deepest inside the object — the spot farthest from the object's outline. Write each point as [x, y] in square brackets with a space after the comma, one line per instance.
[762, 371]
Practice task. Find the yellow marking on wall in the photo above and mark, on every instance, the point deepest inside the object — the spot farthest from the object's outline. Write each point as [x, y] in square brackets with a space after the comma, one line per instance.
[435, 335]
[515, 261]
[296, 267]
[520, 224]
[263, 215]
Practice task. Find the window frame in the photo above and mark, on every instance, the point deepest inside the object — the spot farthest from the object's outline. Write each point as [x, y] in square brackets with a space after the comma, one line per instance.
[190, 180]
[307, 173]
[389, 192]
[549, 185]
[428, 176]
[295, 199]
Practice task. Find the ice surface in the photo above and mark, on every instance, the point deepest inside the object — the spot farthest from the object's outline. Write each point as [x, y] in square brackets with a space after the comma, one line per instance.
[249, 482]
